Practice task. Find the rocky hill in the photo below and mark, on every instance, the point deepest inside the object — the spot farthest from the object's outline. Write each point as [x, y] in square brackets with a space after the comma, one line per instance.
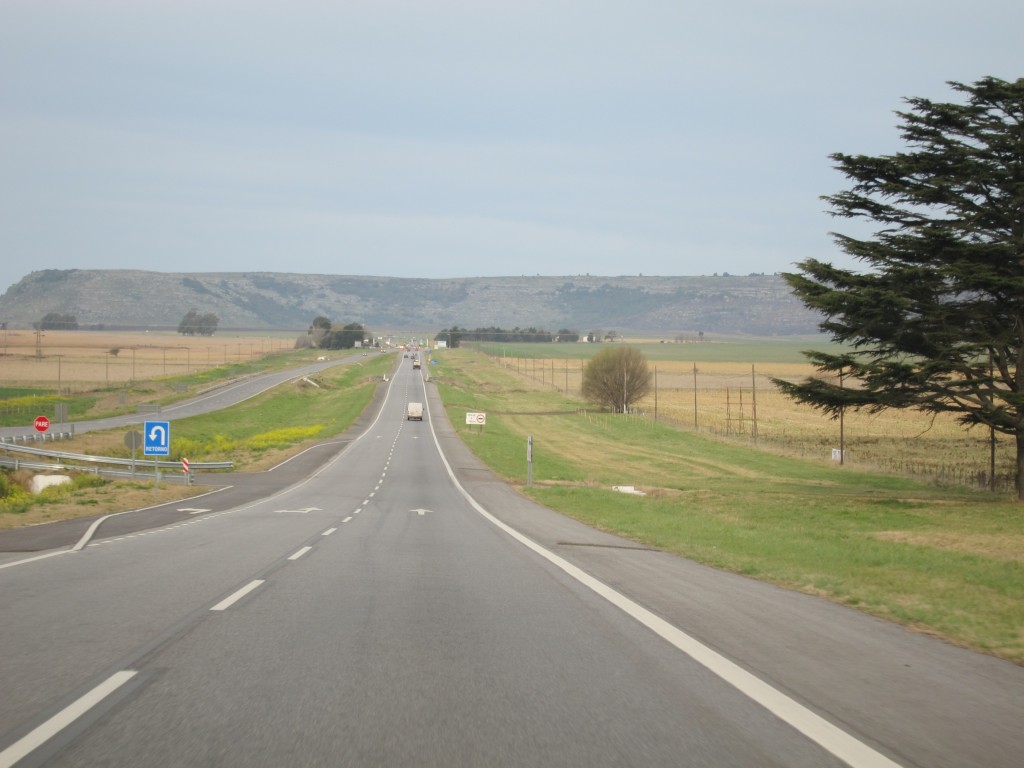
[759, 305]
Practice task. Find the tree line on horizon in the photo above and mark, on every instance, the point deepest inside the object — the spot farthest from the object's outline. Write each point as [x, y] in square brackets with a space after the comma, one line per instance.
[454, 336]
[325, 334]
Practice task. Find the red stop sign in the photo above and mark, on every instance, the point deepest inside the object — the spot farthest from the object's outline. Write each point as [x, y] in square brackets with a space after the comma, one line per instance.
[42, 424]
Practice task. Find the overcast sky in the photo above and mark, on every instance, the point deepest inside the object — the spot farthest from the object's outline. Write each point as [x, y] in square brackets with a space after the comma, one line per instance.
[451, 139]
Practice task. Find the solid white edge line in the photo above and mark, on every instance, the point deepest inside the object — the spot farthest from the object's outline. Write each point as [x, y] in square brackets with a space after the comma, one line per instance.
[43, 733]
[834, 740]
[227, 602]
[33, 559]
[300, 553]
[87, 536]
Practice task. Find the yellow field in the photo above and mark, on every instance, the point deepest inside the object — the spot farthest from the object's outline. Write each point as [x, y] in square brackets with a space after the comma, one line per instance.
[78, 361]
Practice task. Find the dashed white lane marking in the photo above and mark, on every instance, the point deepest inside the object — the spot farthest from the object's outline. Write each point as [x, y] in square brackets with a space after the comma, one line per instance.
[227, 602]
[329, 531]
[300, 553]
[347, 519]
[43, 733]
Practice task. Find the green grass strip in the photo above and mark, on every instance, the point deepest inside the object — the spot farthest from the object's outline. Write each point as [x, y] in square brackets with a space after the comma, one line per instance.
[947, 561]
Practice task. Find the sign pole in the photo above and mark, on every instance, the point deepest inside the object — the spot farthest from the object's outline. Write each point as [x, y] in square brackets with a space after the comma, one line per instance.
[156, 442]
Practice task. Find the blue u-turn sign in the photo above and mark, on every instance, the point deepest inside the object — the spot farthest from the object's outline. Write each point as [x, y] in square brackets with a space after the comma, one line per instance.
[156, 437]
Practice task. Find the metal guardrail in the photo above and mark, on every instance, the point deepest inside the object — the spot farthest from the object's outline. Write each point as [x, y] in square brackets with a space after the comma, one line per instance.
[142, 470]
[111, 460]
[37, 437]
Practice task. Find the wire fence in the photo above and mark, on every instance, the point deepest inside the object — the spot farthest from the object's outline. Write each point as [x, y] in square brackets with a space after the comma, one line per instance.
[750, 409]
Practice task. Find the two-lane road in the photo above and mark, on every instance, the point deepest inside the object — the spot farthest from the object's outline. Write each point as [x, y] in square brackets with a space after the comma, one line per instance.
[228, 394]
[377, 614]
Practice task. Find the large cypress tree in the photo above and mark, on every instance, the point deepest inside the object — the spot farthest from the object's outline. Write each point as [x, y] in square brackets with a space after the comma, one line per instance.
[935, 320]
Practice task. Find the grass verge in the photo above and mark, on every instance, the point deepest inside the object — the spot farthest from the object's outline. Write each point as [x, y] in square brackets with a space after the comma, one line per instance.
[946, 561]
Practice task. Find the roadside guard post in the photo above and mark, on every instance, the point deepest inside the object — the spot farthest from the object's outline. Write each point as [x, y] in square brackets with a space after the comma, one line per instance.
[185, 471]
[529, 461]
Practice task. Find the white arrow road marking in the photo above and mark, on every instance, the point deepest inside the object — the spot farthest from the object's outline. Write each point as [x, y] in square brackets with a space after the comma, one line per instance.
[420, 512]
[305, 511]
[193, 510]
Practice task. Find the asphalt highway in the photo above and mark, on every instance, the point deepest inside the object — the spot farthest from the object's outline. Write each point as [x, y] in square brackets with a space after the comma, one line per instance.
[388, 601]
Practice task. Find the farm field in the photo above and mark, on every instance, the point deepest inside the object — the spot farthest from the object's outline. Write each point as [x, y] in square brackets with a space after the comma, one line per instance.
[942, 559]
[82, 360]
[724, 388]
[99, 373]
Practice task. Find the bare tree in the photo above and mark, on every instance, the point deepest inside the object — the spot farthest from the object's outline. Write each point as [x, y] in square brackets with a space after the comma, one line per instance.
[616, 378]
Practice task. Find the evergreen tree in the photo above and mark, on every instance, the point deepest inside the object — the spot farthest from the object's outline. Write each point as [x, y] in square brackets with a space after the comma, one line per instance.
[57, 321]
[935, 321]
[451, 336]
[194, 323]
[345, 337]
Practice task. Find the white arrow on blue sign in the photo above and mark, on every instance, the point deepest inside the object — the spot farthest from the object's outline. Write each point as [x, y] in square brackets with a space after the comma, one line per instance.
[156, 437]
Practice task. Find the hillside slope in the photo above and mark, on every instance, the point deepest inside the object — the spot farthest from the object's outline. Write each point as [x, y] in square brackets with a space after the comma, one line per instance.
[755, 304]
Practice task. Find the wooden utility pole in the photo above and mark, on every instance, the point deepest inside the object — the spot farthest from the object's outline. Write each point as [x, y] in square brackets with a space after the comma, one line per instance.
[694, 395]
[753, 403]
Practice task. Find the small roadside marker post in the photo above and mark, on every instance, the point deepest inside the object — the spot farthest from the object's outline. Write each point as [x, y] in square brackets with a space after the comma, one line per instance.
[529, 461]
